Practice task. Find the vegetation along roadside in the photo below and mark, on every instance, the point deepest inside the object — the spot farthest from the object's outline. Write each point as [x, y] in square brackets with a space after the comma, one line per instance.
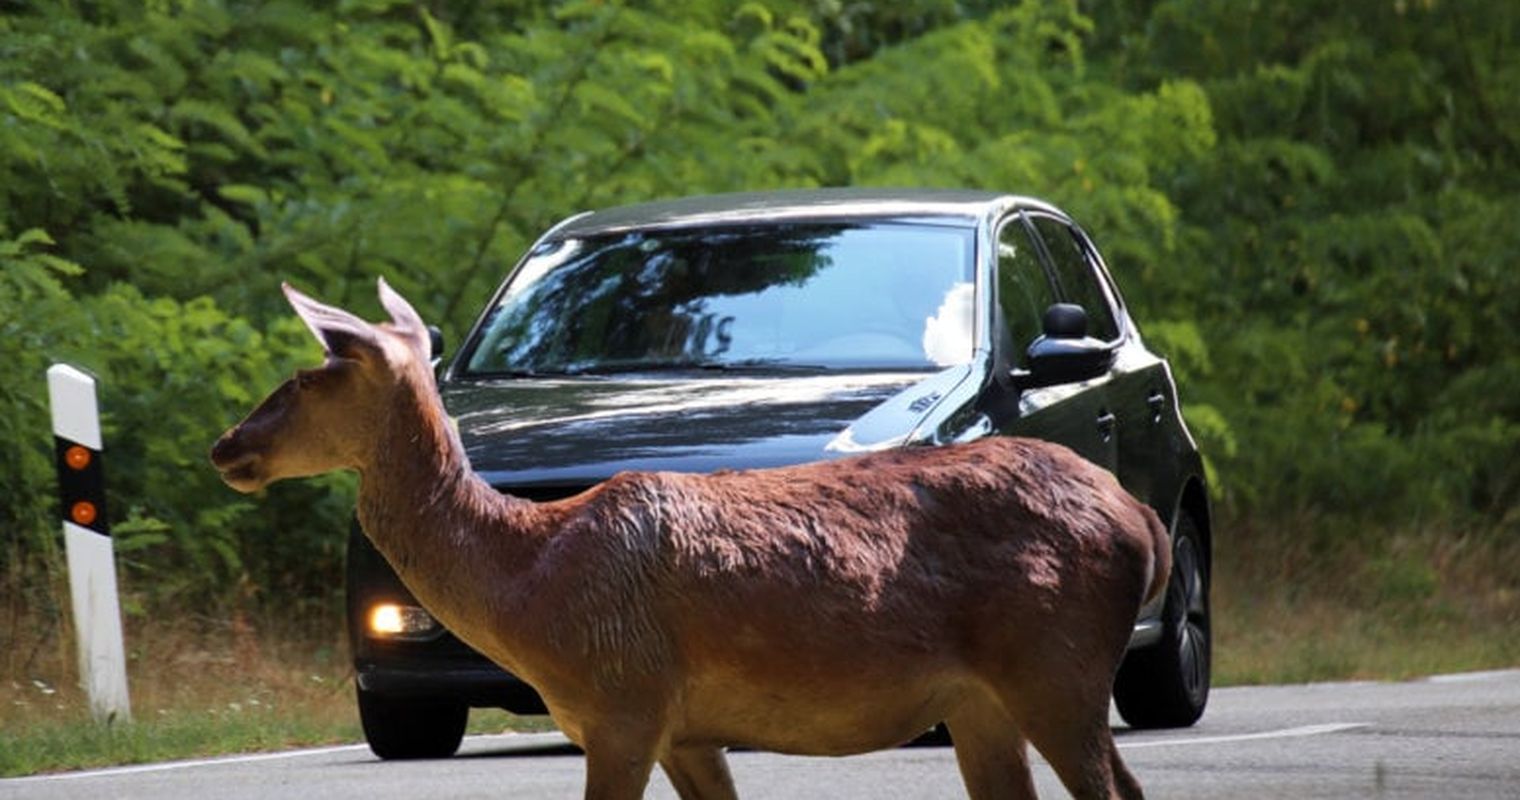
[1310, 203]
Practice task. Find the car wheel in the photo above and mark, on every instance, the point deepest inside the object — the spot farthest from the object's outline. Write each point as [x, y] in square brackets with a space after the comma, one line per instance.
[406, 727]
[1166, 685]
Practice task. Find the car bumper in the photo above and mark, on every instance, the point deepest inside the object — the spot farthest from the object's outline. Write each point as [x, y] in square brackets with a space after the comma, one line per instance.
[481, 685]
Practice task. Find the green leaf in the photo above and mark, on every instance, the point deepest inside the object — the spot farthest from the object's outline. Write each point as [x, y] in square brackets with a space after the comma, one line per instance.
[34, 236]
[243, 193]
[35, 103]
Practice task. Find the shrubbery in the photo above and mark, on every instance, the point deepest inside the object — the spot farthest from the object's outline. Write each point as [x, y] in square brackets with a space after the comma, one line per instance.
[1312, 206]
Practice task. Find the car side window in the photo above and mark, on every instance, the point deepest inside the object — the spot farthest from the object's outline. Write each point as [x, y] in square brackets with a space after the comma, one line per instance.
[1077, 278]
[1024, 290]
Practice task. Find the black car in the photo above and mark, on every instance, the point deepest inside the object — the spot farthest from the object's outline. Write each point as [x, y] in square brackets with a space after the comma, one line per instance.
[760, 330]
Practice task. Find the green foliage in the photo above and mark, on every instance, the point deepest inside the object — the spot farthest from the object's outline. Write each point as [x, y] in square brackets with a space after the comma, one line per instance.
[34, 313]
[194, 369]
[1353, 209]
[171, 376]
[1310, 206]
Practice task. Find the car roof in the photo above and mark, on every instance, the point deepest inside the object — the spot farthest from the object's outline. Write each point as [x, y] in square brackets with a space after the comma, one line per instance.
[965, 205]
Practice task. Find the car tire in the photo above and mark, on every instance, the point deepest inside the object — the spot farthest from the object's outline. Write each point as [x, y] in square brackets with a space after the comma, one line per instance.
[1166, 685]
[406, 727]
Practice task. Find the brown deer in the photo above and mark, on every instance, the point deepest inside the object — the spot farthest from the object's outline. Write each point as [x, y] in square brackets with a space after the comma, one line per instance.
[828, 608]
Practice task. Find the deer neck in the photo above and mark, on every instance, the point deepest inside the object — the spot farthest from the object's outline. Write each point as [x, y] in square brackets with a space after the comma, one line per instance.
[454, 541]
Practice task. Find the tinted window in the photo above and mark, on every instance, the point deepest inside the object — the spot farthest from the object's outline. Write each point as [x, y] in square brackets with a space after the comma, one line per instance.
[1076, 276]
[785, 295]
[1023, 288]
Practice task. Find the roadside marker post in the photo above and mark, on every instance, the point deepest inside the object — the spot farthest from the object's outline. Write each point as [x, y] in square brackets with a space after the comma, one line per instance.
[87, 542]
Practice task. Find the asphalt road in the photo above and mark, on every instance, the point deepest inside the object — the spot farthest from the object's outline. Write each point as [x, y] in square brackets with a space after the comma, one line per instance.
[1447, 737]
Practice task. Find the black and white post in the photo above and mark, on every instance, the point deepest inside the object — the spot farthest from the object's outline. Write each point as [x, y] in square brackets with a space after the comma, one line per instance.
[87, 542]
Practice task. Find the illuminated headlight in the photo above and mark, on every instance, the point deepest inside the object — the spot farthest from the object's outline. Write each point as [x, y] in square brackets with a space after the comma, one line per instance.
[393, 621]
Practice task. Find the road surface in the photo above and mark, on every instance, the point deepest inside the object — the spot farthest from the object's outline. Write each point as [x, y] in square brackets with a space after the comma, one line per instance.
[1454, 736]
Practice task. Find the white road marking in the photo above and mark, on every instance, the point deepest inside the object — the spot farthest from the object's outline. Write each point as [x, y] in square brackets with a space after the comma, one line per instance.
[186, 764]
[525, 740]
[1285, 733]
[528, 740]
[1474, 677]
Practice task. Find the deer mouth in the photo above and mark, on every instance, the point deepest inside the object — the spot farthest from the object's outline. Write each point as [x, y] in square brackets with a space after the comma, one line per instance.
[243, 476]
[238, 470]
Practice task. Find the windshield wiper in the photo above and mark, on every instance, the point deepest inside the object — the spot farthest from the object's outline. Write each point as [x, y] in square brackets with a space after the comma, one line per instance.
[762, 365]
[672, 365]
[682, 365]
[519, 372]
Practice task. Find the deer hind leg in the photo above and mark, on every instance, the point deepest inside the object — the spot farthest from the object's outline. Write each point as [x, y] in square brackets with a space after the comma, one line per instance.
[1072, 733]
[1125, 781]
[991, 752]
[699, 773]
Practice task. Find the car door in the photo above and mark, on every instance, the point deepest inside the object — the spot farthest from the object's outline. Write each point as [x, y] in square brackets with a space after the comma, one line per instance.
[1139, 393]
[1074, 414]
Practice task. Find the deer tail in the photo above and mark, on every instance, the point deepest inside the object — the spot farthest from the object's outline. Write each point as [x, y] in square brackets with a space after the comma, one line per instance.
[1161, 555]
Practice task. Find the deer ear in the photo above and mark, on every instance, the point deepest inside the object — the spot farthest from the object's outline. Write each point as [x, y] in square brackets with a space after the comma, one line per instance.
[404, 318]
[342, 334]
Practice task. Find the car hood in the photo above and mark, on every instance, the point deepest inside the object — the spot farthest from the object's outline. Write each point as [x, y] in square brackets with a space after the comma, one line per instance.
[524, 432]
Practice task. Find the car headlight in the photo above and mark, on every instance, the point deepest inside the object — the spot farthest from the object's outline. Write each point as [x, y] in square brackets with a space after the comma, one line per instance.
[395, 621]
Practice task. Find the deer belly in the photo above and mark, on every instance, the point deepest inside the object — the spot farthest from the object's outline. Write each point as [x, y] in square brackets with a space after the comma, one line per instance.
[806, 712]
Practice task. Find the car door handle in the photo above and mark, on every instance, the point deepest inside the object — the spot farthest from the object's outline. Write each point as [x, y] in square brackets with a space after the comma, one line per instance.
[1156, 401]
[1106, 424]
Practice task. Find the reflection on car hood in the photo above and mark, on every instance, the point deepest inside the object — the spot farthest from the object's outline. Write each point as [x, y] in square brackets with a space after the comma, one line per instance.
[563, 431]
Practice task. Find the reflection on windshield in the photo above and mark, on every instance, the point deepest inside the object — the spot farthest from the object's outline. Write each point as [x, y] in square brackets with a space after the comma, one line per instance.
[781, 295]
[947, 334]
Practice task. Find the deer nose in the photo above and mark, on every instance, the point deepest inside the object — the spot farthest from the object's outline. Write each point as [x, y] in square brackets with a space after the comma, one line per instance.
[226, 451]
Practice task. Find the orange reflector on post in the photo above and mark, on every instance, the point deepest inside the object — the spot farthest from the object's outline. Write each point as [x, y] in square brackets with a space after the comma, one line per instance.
[77, 457]
[81, 484]
[83, 513]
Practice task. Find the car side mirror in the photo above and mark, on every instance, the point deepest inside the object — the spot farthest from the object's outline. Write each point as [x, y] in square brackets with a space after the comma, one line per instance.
[1064, 353]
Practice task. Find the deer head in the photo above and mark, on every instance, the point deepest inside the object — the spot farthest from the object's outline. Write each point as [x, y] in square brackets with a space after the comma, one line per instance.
[323, 419]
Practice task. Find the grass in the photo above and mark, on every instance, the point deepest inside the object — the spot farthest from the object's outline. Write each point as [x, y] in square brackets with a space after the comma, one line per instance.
[1293, 603]
[1315, 601]
[196, 691]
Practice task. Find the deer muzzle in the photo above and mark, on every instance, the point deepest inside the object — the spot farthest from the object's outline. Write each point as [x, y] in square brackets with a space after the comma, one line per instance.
[238, 466]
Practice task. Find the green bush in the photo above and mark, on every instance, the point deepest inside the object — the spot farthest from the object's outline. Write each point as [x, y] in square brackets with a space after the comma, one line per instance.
[170, 377]
[1309, 205]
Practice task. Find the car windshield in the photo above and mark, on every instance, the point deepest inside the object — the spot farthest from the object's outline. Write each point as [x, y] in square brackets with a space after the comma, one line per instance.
[774, 296]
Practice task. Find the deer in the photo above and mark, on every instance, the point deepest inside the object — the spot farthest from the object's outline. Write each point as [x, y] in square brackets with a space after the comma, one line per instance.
[828, 608]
